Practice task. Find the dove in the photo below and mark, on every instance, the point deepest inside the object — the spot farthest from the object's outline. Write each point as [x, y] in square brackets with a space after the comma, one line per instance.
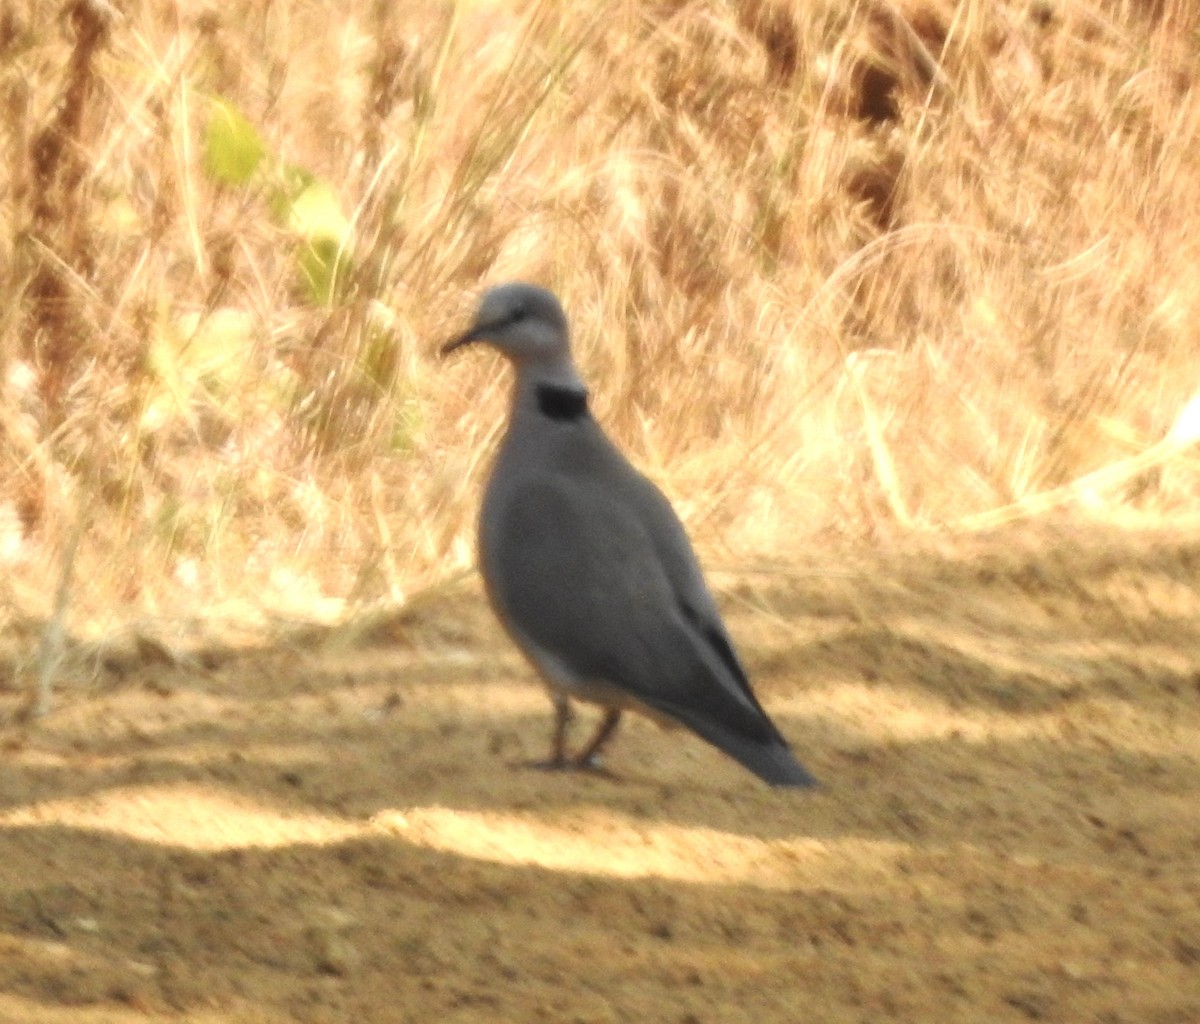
[589, 569]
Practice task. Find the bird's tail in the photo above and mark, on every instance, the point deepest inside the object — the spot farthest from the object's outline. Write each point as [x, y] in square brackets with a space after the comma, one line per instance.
[770, 759]
[774, 764]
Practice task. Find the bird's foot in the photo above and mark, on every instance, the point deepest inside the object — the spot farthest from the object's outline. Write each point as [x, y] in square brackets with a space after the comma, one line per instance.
[548, 764]
[591, 765]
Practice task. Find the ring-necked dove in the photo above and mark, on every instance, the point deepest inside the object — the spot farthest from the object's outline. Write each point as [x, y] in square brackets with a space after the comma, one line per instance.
[589, 569]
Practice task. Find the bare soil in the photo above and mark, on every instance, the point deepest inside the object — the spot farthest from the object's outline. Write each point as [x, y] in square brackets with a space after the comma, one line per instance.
[337, 827]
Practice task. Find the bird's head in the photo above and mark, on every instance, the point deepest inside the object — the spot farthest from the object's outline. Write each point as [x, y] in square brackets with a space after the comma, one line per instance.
[526, 324]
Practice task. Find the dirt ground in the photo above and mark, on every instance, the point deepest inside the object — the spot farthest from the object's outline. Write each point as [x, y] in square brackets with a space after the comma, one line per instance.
[339, 829]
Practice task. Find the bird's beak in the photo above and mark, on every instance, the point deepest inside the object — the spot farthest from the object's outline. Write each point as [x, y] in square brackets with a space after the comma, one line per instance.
[466, 338]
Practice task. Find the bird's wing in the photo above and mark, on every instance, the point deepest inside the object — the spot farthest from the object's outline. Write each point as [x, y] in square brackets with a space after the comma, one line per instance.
[578, 570]
[687, 582]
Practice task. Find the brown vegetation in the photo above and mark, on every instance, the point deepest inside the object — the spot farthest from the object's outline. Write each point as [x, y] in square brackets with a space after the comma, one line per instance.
[833, 268]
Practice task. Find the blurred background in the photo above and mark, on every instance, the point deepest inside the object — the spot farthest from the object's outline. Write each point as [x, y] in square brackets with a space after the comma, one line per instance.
[899, 300]
[836, 272]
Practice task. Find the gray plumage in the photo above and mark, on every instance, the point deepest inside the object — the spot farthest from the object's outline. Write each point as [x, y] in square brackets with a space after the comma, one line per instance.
[589, 569]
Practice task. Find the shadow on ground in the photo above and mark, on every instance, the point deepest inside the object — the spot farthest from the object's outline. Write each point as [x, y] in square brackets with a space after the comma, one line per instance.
[336, 827]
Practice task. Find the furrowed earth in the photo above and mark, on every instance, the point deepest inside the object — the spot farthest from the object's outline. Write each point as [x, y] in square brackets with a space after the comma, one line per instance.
[338, 826]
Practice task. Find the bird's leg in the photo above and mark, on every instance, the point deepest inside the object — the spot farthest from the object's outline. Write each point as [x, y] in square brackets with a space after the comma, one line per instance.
[558, 750]
[589, 757]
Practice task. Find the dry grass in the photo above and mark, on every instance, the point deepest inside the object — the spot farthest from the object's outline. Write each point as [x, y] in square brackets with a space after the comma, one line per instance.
[834, 270]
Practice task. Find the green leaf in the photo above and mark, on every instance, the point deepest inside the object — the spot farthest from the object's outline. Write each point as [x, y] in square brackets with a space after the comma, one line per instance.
[233, 149]
[316, 215]
[197, 360]
[323, 266]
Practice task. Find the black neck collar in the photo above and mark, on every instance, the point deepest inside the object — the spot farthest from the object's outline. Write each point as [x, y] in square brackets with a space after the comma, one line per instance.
[561, 403]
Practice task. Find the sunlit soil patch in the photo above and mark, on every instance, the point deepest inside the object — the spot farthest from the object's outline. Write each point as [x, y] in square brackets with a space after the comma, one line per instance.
[884, 714]
[191, 817]
[604, 844]
[15, 1010]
